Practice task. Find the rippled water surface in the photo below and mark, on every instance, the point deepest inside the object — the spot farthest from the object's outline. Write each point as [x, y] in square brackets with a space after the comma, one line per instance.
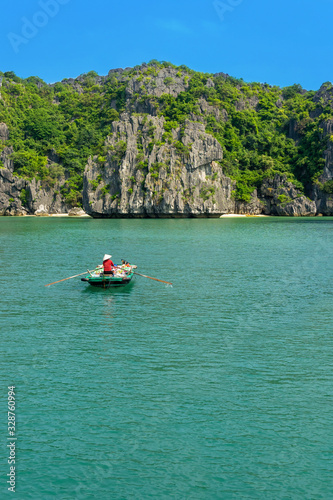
[218, 387]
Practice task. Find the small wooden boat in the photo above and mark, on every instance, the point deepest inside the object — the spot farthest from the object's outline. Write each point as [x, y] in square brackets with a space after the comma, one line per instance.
[121, 277]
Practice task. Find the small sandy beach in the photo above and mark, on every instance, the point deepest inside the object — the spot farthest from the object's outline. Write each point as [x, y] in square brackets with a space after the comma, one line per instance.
[242, 215]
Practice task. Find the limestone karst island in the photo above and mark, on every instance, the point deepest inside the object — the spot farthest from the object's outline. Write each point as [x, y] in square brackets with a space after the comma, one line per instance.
[158, 140]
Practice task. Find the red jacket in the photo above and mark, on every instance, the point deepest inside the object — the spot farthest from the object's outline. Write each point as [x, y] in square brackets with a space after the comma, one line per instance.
[107, 264]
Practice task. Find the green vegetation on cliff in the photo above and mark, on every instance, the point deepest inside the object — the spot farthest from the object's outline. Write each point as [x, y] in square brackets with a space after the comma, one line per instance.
[263, 130]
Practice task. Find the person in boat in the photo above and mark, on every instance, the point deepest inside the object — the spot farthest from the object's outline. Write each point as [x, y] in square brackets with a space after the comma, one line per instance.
[108, 265]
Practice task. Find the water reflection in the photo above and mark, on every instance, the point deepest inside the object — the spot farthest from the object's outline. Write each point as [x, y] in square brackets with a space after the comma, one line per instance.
[107, 304]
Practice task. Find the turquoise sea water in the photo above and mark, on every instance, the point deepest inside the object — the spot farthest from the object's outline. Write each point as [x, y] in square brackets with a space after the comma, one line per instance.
[220, 387]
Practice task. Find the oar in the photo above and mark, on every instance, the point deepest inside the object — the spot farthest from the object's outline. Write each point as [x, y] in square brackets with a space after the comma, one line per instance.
[67, 278]
[144, 276]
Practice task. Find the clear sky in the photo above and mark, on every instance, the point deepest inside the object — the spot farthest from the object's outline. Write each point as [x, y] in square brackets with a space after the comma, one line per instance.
[278, 42]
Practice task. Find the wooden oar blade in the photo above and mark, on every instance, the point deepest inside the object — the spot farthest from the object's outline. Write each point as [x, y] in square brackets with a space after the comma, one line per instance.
[155, 279]
[66, 279]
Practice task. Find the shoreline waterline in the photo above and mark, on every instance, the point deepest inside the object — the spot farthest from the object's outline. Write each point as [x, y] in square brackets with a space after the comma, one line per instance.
[223, 216]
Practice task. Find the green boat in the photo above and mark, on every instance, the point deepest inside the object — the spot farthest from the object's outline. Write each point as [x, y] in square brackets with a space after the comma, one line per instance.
[122, 276]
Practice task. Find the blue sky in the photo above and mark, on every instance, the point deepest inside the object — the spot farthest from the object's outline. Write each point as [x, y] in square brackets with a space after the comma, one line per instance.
[280, 43]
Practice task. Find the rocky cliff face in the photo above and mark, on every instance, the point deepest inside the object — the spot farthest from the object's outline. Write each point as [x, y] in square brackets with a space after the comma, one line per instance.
[4, 132]
[280, 197]
[321, 192]
[43, 199]
[152, 170]
[167, 81]
[324, 199]
[155, 177]
[22, 197]
[12, 189]
[151, 173]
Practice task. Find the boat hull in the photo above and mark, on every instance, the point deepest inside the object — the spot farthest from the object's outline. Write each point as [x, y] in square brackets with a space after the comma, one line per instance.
[108, 282]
